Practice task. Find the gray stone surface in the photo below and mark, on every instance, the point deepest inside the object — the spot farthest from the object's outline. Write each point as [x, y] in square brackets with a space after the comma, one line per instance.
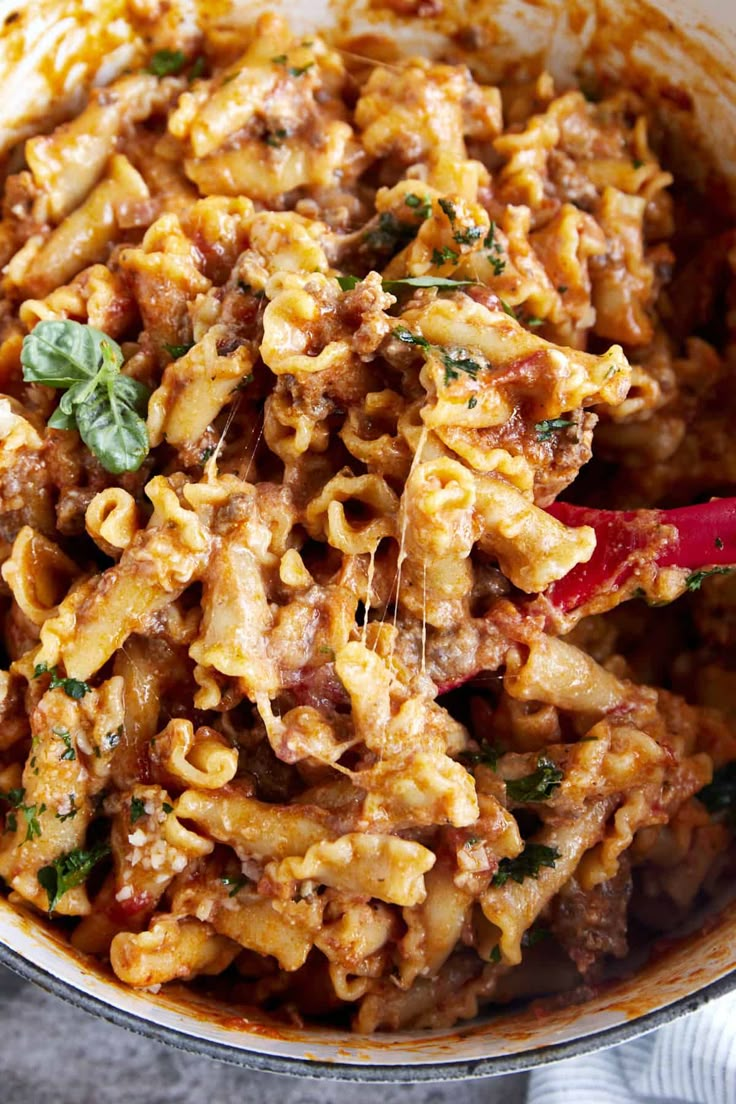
[52, 1053]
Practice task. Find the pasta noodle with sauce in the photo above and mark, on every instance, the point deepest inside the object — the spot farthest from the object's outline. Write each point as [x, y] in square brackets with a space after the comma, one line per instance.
[324, 669]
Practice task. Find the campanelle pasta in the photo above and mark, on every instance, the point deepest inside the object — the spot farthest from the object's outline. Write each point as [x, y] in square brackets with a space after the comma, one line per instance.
[315, 678]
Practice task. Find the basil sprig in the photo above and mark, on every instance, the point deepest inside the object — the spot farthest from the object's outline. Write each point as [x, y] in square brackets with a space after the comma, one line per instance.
[105, 406]
[347, 283]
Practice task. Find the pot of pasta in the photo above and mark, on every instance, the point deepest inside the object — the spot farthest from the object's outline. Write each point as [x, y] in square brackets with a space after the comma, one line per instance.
[367, 530]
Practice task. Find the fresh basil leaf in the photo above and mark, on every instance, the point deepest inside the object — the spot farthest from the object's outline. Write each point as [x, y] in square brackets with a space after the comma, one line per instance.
[60, 420]
[111, 427]
[60, 353]
[426, 282]
[347, 283]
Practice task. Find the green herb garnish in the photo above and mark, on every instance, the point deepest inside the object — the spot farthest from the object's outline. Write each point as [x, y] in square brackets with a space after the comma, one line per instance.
[72, 811]
[533, 936]
[472, 402]
[390, 233]
[32, 813]
[421, 204]
[409, 338]
[237, 883]
[695, 580]
[537, 786]
[526, 865]
[166, 807]
[177, 351]
[445, 255]
[719, 796]
[275, 138]
[468, 236]
[66, 738]
[495, 249]
[456, 361]
[73, 688]
[495, 955]
[69, 870]
[299, 70]
[166, 63]
[98, 401]
[198, 68]
[449, 208]
[550, 426]
[137, 809]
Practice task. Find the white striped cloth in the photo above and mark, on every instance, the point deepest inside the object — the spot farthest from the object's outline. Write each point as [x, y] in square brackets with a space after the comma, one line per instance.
[691, 1061]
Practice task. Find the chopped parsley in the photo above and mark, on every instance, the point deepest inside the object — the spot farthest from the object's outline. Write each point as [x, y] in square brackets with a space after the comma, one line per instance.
[299, 70]
[32, 813]
[177, 351]
[495, 250]
[409, 338]
[13, 797]
[347, 283]
[73, 810]
[562, 289]
[198, 68]
[167, 63]
[137, 809]
[73, 688]
[236, 883]
[390, 233]
[636, 162]
[445, 255]
[421, 204]
[69, 870]
[488, 756]
[167, 808]
[547, 429]
[508, 309]
[495, 955]
[471, 842]
[472, 402]
[537, 786]
[66, 738]
[719, 796]
[276, 137]
[533, 936]
[206, 454]
[456, 361]
[695, 580]
[718, 543]
[468, 236]
[280, 59]
[449, 208]
[526, 865]
[533, 321]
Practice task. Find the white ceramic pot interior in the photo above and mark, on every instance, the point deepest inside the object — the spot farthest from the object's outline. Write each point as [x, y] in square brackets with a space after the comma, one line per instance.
[686, 46]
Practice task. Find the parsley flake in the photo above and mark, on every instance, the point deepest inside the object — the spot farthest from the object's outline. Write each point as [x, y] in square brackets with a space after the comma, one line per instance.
[449, 208]
[422, 205]
[495, 955]
[550, 426]
[177, 351]
[445, 255]
[526, 865]
[299, 70]
[236, 882]
[73, 688]
[719, 796]
[69, 870]
[167, 63]
[137, 809]
[66, 738]
[537, 786]
[73, 810]
[696, 579]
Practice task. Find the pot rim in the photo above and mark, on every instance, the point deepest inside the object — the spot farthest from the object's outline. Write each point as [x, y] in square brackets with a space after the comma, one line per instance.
[460, 1070]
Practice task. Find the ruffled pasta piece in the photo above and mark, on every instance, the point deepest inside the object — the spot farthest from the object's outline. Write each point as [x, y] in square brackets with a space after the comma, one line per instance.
[436, 523]
[38, 574]
[385, 867]
[170, 949]
[413, 111]
[509, 366]
[434, 927]
[96, 296]
[71, 750]
[254, 829]
[533, 548]
[557, 672]
[82, 239]
[155, 568]
[514, 906]
[198, 760]
[246, 132]
[112, 520]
